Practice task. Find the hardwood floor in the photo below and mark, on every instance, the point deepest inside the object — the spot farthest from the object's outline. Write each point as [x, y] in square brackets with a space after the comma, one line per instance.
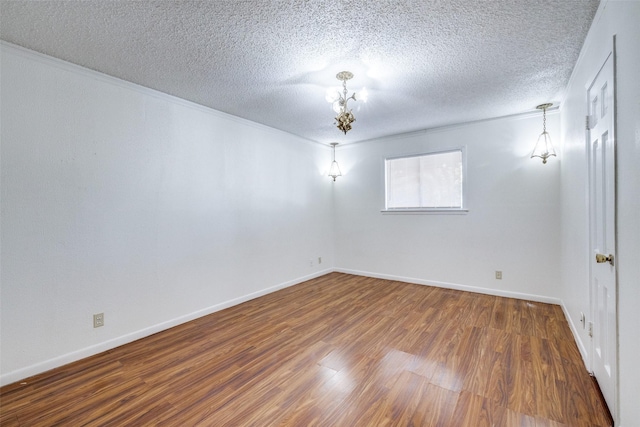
[339, 350]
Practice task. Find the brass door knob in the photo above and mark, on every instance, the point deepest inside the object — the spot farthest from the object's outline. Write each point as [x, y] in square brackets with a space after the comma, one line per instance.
[601, 258]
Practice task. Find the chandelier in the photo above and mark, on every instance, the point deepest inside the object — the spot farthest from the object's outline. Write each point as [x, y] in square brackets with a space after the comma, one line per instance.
[345, 116]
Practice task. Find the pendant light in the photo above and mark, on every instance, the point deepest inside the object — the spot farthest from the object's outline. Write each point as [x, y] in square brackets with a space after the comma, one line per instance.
[544, 147]
[334, 170]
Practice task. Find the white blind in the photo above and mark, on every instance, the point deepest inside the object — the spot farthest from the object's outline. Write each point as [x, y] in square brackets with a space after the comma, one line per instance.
[429, 181]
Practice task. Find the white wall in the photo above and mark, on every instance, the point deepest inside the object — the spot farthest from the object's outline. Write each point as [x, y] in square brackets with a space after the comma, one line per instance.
[619, 18]
[512, 224]
[122, 200]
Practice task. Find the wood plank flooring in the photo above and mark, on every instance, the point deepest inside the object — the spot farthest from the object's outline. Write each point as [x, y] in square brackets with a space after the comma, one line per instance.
[339, 350]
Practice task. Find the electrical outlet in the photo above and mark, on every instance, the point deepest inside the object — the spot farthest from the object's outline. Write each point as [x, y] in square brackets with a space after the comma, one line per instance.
[319, 260]
[98, 320]
[498, 275]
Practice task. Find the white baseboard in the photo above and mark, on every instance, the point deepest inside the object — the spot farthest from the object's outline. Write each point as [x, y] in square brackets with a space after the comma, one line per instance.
[468, 288]
[38, 368]
[581, 347]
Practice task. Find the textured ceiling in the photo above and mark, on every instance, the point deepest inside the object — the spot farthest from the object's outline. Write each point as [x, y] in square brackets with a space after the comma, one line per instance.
[425, 63]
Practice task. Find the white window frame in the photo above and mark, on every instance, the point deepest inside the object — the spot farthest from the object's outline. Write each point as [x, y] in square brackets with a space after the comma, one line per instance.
[461, 210]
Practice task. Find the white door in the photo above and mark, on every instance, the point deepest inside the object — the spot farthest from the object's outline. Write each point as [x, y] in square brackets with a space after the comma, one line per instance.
[603, 286]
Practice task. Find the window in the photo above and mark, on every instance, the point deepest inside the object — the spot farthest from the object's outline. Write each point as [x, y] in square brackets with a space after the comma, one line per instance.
[426, 182]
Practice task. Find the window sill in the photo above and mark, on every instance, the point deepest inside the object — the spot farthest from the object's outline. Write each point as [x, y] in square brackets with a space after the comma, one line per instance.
[425, 211]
